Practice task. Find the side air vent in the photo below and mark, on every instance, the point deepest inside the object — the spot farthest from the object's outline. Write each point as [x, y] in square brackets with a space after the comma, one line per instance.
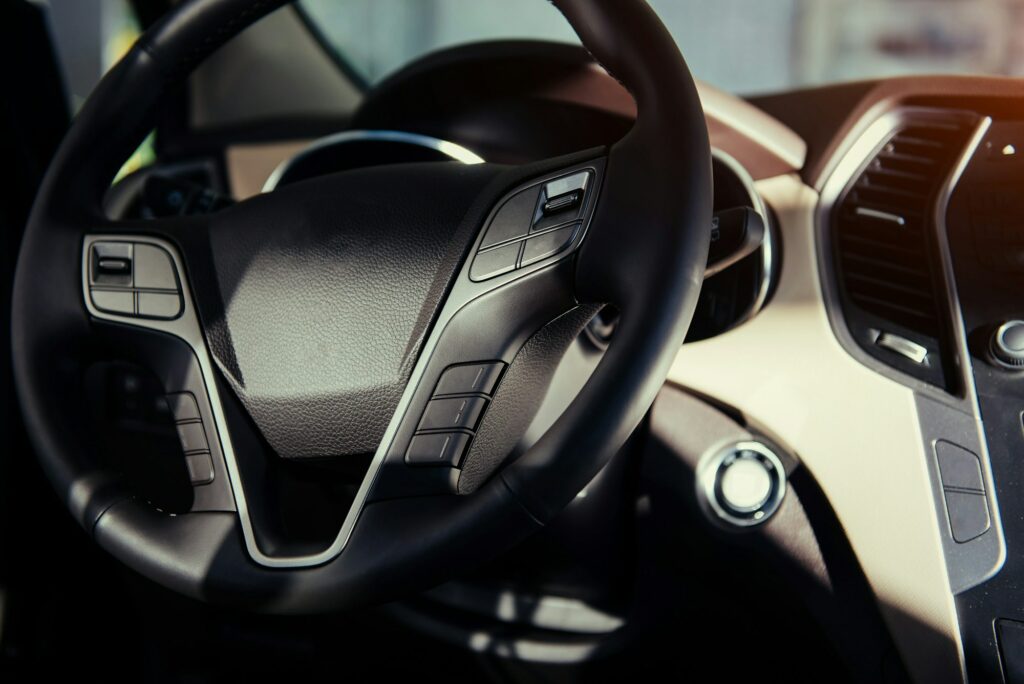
[884, 235]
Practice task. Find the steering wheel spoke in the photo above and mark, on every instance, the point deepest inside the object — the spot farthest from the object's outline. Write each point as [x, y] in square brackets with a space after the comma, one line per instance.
[135, 289]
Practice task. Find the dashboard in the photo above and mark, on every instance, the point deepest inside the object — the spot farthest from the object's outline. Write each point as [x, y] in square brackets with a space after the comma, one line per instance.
[872, 332]
[899, 284]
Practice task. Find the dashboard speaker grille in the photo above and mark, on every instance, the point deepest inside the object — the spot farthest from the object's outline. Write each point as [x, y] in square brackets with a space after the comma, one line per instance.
[884, 235]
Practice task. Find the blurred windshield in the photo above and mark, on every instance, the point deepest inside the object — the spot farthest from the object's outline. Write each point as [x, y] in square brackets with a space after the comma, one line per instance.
[743, 46]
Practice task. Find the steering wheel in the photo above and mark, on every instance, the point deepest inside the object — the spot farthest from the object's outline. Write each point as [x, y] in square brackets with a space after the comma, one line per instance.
[415, 311]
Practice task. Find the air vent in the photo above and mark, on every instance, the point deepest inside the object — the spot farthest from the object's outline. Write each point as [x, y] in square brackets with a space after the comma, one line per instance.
[884, 237]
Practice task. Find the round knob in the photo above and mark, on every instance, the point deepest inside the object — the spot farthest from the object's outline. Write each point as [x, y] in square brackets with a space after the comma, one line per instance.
[742, 484]
[745, 484]
[1007, 344]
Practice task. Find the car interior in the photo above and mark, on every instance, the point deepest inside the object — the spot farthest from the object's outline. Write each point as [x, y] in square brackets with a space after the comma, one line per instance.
[362, 342]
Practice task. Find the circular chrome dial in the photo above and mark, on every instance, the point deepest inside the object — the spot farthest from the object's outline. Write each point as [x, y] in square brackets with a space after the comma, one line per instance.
[1007, 345]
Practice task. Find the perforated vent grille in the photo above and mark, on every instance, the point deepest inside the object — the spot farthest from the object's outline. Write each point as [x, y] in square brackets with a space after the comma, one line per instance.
[884, 238]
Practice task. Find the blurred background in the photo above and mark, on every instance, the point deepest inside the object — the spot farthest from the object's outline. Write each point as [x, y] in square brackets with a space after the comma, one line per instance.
[743, 46]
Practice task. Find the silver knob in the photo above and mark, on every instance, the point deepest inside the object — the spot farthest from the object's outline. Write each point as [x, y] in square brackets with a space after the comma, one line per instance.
[742, 484]
[1007, 344]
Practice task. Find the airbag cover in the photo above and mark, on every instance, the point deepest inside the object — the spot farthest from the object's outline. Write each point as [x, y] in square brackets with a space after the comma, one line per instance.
[327, 289]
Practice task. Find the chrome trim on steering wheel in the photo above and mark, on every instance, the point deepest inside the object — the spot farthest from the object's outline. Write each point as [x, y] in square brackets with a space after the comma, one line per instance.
[452, 150]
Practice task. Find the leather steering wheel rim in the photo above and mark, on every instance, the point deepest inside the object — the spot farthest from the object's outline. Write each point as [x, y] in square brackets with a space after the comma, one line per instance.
[644, 250]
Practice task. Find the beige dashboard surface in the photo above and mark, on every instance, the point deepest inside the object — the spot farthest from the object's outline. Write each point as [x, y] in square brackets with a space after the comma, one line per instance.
[856, 431]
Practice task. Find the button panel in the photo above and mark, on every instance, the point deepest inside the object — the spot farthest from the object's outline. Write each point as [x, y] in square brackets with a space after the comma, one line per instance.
[963, 489]
[192, 434]
[449, 422]
[534, 224]
[134, 279]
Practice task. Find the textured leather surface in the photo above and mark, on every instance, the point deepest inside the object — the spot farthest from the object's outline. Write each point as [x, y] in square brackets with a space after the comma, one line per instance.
[327, 289]
[519, 396]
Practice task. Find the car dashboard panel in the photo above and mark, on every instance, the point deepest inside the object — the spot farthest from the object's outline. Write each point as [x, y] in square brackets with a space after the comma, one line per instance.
[870, 333]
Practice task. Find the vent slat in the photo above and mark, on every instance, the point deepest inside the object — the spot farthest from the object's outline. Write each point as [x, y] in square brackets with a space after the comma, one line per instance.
[891, 155]
[921, 294]
[922, 322]
[898, 269]
[895, 175]
[889, 196]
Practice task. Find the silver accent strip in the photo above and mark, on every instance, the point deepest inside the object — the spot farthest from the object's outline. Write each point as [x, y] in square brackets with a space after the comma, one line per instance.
[453, 150]
[188, 329]
[881, 215]
[965, 574]
[902, 346]
[948, 278]
[962, 560]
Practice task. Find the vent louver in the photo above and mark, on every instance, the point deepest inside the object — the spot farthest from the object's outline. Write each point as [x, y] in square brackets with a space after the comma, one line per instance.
[884, 234]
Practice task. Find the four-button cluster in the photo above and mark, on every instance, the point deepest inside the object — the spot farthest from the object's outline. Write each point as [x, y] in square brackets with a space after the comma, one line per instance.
[533, 224]
[134, 279]
[453, 413]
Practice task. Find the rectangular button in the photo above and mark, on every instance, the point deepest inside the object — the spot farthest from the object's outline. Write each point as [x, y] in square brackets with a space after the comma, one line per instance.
[159, 304]
[513, 219]
[1011, 648]
[114, 301]
[445, 448]
[444, 414]
[958, 467]
[968, 515]
[470, 379]
[547, 244]
[563, 201]
[183, 406]
[112, 266]
[200, 467]
[569, 200]
[193, 437]
[154, 268]
[494, 262]
[104, 256]
[560, 186]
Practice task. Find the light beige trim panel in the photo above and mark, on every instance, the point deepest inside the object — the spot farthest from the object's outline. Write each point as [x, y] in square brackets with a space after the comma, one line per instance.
[753, 126]
[856, 431]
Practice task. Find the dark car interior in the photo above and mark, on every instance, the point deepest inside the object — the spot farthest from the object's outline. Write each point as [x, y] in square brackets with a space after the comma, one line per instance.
[525, 361]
